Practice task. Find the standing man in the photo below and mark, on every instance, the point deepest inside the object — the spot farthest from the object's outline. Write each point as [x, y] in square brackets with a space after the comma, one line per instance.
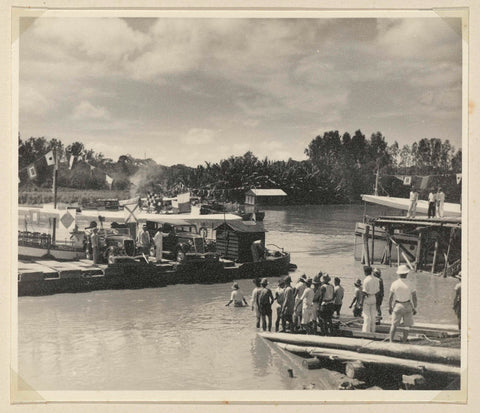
[94, 239]
[287, 305]
[299, 289]
[158, 241]
[432, 200]
[338, 294]
[379, 296]
[440, 201]
[279, 294]
[371, 286]
[264, 302]
[306, 300]
[402, 303]
[255, 308]
[143, 240]
[326, 306]
[412, 209]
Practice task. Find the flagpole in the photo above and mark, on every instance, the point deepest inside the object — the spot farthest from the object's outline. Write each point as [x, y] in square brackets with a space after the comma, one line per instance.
[54, 190]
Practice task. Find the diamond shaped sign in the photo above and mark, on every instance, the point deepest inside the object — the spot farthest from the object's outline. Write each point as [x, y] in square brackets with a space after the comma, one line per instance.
[67, 220]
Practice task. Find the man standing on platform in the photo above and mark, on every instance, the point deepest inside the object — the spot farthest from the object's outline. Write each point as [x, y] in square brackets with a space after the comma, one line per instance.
[402, 303]
[143, 240]
[412, 209]
[440, 201]
[158, 241]
[94, 239]
[371, 286]
[432, 200]
[381, 292]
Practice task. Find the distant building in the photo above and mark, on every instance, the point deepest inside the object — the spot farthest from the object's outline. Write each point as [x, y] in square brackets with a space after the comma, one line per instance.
[259, 197]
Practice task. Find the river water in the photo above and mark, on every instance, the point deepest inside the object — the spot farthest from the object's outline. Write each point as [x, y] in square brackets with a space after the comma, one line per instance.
[182, 337]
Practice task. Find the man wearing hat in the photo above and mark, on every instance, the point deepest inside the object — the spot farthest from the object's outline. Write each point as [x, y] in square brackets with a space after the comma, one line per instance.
[317, 295]
[143, 240]
[402, 302]
[306, 301]
[371, 286]
[326, 305]
[298, 291]
[264, 302]
[236, 297]
[288, 305]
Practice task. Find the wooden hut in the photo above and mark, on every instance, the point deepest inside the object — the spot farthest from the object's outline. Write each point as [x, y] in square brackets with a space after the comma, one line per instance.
[261, 197]
[235, 239]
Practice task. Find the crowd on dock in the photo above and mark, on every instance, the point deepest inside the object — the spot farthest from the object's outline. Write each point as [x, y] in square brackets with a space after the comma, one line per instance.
[310, 305]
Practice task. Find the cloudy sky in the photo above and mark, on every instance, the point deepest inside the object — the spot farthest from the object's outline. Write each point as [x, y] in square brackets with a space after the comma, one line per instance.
[191, 90]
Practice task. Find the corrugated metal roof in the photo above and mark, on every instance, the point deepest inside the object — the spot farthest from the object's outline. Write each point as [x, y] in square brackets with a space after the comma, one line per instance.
[267, 192]
[244, 226]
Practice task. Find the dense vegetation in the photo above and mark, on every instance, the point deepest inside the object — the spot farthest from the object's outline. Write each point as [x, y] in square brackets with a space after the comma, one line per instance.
[338, 169]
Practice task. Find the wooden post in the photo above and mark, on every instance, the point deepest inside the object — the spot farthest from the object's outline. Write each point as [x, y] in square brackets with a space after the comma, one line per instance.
[355, 369]
[419, 249]
[373, 244]
[452, 232]
[435, 256]
[367, 254]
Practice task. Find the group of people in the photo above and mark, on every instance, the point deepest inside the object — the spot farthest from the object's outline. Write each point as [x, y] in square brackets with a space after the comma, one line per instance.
[436, 202]
[310, 304]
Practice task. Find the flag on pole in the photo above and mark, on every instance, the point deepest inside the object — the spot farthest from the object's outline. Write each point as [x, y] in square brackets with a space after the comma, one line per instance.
[407, 180]
[32, 172]
[459, 178]
[50, 158]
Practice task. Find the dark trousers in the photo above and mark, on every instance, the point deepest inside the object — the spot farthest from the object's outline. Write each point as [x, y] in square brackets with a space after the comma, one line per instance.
[287, 318]
[431, 209]
[264, 316]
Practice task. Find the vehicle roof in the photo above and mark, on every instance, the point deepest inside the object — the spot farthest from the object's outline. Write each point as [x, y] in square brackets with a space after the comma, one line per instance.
[162, 220]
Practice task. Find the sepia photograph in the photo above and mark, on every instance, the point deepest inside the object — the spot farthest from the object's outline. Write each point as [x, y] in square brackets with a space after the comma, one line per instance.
[254, 201]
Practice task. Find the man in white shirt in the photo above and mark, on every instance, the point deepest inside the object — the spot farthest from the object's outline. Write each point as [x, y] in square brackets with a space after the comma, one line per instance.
[412, 208]
[143, 240]
[371, 286]
[158, 241]
[402, 303]
[440, 201]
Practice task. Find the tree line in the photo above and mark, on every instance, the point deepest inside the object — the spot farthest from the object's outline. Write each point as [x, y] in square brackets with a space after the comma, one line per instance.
[338, 169]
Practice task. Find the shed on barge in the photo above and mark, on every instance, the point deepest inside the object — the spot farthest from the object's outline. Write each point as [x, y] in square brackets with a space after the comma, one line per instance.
[235, 239]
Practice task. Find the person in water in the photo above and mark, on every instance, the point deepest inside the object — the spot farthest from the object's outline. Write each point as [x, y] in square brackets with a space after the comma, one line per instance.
[255, 292]
[357, 302]
[288, 305]
[338, 294]
[237, 297]
[306, 301]
[279, 295]
[264, 302]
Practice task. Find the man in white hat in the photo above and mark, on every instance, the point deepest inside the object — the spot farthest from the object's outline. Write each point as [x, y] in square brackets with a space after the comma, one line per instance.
[402, 303]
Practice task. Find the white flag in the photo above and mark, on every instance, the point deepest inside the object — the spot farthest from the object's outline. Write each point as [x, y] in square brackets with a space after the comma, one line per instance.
[459, 178]
[32, 172]
[109, 180]
[50, 158]
[407, 180]
[71, 161]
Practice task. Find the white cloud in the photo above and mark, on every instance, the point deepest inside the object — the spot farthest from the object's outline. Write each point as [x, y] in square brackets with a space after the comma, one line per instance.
[86, 111]
[33, 101]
